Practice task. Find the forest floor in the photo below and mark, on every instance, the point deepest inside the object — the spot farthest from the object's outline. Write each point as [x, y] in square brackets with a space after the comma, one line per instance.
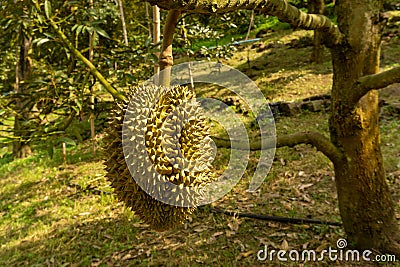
[47, 219]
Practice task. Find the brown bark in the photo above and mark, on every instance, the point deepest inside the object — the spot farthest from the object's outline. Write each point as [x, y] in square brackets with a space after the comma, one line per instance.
[317, 7]
[166, 59]
[156, 33]
[377, 81]
[365, 204]
[21, 145]
[320, 142]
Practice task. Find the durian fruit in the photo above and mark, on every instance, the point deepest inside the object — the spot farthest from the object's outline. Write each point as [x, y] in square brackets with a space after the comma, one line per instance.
[158, 148]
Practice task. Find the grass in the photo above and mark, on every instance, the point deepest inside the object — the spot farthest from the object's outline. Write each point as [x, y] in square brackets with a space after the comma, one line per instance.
[46, 220]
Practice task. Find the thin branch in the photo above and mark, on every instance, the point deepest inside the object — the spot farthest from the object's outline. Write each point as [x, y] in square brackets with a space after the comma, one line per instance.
[279, 8]
[91, 67]
[320, 142]
[156, 33]
[377, 81]
[121, 12]
[166, 60]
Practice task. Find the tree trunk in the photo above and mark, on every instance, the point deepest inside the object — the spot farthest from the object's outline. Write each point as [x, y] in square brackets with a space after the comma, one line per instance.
[156, 33]
[92, 84]
[165, 60]
[125, 32]
[365, 204]
[317, 55]
[21, 146]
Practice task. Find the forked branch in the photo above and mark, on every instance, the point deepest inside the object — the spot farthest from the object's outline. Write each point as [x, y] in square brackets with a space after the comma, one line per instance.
[320, 142]
[377, 81]
[279, 8]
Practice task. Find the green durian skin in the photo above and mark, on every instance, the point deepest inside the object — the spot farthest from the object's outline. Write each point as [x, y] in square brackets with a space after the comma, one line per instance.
[160, 216]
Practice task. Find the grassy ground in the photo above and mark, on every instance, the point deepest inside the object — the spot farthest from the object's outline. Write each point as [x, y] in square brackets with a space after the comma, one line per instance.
[46, 219]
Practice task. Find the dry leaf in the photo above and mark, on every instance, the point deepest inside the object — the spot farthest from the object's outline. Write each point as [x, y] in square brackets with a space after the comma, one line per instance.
[108, 236]
[217, 234]
[284, 245]
[96, 247]
[322, 247]
[292, 235]
[200, 229]
[277, 234]
[126, 257]
[244, 254]
[229, 233]
[304, 186]
[287, 206]
[234, 225]
[306, 198]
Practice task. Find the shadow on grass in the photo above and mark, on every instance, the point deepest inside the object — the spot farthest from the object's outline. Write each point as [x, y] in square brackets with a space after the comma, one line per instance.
[80, 243]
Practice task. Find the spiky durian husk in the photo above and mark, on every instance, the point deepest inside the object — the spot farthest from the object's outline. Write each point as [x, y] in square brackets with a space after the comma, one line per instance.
[172, 107]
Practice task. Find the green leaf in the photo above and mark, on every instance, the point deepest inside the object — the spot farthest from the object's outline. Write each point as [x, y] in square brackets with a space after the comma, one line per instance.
[130, 77]
[102, 32]
[47, 8]
[79, 104]
[79, 29]
[67, 140]
[42, 41]
[49, 35]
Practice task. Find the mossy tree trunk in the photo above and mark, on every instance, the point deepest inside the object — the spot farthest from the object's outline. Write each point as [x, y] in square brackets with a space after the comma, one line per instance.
[365, 204]
[317, 55]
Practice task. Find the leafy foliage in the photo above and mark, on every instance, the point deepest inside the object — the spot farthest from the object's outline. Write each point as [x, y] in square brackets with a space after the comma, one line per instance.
[58, 91]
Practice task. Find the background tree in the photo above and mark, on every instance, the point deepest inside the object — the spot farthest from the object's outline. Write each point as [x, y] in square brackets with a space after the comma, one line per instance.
[17, 28]
[317, 7]
[365, 204]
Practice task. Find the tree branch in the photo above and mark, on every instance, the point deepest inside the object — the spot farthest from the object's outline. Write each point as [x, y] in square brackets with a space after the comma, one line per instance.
[320, 142]
[89, 64]
[279, 8]
[165, 59]
[377, 81]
